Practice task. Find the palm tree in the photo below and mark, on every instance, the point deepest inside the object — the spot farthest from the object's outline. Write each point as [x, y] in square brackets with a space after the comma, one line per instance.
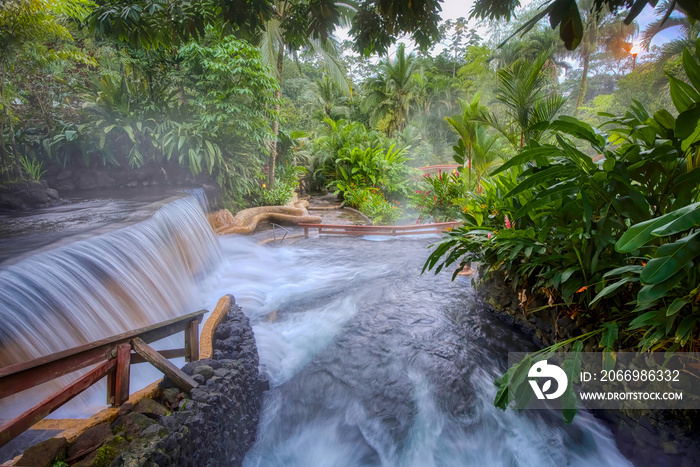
[324, 93]
[276, 39]
[486, 154]
[602, 32]
[673, 48]
[522, 91]
[393, 91]
[466, 125]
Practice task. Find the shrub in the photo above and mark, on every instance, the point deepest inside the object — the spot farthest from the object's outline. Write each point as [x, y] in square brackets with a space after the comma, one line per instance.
[440, 199]
[372, 203]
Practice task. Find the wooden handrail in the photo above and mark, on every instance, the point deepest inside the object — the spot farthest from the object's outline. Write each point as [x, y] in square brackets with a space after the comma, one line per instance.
[114, 357]
[389, 230]
[21, 376]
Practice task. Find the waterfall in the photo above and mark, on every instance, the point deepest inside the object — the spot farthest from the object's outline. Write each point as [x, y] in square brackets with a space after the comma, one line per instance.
[98, 287]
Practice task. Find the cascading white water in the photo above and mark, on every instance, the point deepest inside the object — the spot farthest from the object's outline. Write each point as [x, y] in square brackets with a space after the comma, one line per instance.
[370, 363]
[101, 286]
[373, 364]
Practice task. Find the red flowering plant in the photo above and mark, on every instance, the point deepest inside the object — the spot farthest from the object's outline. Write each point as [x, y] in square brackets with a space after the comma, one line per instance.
[439, 198]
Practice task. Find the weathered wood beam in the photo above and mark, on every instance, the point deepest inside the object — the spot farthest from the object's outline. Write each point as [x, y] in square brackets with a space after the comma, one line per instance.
[21, 376]
[170, 353]
[192, 341]
[179, 377]
[15, 427]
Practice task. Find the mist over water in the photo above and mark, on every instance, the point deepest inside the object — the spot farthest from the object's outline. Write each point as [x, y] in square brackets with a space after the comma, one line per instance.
[370, 363]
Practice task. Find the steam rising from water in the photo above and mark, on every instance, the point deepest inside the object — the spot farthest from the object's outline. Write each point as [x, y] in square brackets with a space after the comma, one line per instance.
[370, 363]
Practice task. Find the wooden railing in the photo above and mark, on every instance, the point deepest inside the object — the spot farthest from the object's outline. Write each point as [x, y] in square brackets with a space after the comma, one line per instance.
[113, 358]
[390, 230]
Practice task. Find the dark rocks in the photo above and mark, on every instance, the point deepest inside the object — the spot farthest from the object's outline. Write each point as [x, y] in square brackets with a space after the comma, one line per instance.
[87, 181]
[131, 424]
[44, 453]
[82, 178]
[213, 425]
[26, 195]
[94, 436]
[149, 406]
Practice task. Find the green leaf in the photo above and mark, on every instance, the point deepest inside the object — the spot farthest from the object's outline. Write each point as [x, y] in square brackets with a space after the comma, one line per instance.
[609, 336]
[687, 122]
[542, 177]
[578, 129]
[639, 234]
[558, 190]
[661, 268]
[685, 329]
[528, 155]
[653, 292]
[692, 69]
[646, 319]
[686, 221]
[609, 358]
[676, 306]
[612, 288]
[572, 368]
[617, 271]
[682, 94]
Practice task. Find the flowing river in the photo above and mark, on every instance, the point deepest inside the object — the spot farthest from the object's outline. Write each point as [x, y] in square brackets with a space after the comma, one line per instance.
[370, 362]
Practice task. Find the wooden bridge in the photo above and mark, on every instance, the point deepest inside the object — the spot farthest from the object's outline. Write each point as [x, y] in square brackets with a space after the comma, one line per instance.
[388, 230]
[113, 357]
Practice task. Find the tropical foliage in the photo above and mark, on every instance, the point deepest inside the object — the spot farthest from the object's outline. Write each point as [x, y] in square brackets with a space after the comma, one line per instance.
[612, 242]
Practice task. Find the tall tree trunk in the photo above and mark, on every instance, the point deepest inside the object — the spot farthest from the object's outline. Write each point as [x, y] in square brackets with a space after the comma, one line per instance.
[276, 123]
[584, 81]
[3, 152]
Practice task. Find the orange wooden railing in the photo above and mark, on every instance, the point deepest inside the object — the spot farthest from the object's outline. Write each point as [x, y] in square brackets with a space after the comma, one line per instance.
[113, 358]
[390, 230]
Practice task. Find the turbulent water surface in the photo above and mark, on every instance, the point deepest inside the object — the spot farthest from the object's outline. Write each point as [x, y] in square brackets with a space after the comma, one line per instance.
[373, 364]
[370, 363]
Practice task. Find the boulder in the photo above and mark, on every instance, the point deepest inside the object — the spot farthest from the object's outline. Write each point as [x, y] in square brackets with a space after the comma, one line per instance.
[92, 437]
[44, 453]
[87, 181]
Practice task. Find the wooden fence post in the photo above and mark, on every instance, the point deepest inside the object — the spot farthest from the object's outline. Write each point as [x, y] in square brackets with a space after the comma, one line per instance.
[192, 341]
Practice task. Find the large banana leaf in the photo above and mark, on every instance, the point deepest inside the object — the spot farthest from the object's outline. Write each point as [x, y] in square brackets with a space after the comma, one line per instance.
[639, 234]
[661, 268]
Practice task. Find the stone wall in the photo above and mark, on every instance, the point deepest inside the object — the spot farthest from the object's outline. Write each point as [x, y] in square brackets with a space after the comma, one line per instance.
[70, 179]
[215, 424]
[659, 437]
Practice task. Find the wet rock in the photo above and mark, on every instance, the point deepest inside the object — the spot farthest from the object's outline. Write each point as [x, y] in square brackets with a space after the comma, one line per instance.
[172, 396]
[65, 185]
[104, 180]
[131, 425]
[92, 437]
[205, 370]
[65, 175]
[24, 195]
[44, 453]
[87, 181]
[149, 406]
